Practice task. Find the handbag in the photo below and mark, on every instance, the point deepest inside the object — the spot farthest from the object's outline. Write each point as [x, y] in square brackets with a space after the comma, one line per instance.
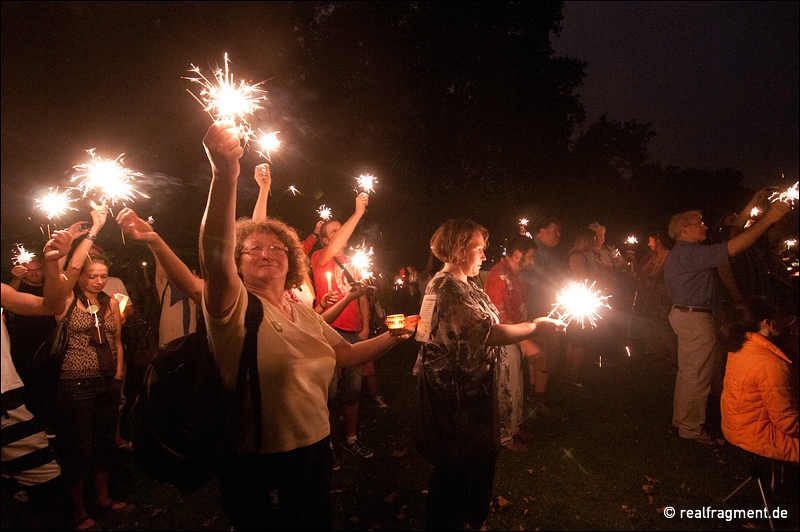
[50, 354]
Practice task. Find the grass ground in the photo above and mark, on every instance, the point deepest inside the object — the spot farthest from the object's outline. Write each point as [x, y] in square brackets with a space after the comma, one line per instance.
[608, 461]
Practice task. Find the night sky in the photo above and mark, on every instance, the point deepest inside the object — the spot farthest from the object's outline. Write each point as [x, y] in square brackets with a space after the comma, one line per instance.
[718, 81]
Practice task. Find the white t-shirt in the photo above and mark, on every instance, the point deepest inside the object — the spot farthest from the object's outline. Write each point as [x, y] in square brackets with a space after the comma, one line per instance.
[296, 362]
[170, 325]
[10, 377]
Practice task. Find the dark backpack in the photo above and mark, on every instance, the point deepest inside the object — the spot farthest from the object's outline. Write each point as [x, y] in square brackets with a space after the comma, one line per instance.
[184, 418]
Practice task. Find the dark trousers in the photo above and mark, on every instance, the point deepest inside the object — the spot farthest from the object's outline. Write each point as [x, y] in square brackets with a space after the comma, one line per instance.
[459, 496]
[86, 424]
[279, 491]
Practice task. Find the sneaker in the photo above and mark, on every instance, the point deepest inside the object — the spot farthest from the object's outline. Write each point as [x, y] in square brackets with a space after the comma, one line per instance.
[358, 449]
[380, 401]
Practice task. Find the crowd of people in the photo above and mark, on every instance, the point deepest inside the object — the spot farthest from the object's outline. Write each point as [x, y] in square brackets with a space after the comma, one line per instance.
[687, 302]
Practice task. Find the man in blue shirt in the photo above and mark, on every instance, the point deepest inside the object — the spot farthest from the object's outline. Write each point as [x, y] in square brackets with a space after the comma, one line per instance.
[689, 275]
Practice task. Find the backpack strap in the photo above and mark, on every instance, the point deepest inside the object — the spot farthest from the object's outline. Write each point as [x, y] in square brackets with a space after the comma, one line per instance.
[248, 363]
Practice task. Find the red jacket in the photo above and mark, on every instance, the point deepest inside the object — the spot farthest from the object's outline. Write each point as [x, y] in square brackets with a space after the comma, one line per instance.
[759, 401]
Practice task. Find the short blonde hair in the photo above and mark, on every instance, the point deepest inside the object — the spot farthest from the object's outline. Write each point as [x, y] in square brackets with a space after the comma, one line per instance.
[298, 263]
[681, 220]
[453, 237]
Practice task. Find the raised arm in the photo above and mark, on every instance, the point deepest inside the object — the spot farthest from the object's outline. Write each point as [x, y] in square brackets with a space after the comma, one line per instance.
[745, 239]
[174, 268]
[264, 179]
[55, 286]
[759, 198]
[340, 238]
[81, 253]
[217, 230]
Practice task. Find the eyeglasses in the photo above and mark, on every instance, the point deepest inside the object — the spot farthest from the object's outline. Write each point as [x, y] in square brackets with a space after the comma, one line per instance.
[701, 224]
[266, 250]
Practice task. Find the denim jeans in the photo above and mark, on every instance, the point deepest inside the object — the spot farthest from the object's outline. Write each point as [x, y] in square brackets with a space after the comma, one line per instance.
[86, 424]
[346, 380]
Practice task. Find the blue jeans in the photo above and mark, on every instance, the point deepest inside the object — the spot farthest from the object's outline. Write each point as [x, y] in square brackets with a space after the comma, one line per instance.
[86, 424]
[348, 379]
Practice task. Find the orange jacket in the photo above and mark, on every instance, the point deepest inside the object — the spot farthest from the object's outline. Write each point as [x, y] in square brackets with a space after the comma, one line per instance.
[759, 401]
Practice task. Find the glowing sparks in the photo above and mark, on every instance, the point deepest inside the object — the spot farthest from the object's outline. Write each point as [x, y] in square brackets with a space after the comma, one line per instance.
[293, 190]
[755, 211]
[790, 243]
[108, 178]
[223, 99]
[631, 240]
[269, 143]
[788, 196]
[362, 261]
[367, 182]
[55, 204]
[580, 303]
[324, 212]
[523, 222]
[23, 256]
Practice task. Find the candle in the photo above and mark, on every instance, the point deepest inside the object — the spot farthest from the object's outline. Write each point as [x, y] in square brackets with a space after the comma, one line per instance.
[395, 321]
[329, 275]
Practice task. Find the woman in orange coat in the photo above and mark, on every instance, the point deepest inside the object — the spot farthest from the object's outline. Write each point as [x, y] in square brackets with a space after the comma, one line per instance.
[759, 398]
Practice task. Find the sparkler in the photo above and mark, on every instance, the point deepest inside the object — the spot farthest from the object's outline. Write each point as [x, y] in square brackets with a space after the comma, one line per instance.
[293, 190]
[755, 211]
[362, 261]
[324, 212]
[269, 142]
[523, 222]
[790, 195]
[631, 240]
[23, 256]
[222, 99]
[367, 182]
[791, 243]
[579, 302]
[108, 177]
[55, 204]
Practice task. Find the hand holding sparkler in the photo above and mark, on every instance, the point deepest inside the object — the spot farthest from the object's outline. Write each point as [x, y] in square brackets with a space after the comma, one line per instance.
[18, 272]
[135, 227]
[362, 200]
[262, 176]
[367, 183]
[77, 229]
[547, 325]
[59, 245]
[223, 149]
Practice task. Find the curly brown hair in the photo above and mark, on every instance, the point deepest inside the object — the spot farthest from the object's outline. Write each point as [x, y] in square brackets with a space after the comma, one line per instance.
[298, 263]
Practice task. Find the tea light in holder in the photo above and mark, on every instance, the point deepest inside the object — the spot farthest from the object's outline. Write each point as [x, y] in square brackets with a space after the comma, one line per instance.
[395, 321]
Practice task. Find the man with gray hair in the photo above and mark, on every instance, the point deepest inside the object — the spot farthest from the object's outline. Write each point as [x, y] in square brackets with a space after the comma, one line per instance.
[689, 275]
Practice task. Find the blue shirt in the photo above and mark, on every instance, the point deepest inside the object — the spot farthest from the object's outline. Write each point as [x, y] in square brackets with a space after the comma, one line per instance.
[690, 272]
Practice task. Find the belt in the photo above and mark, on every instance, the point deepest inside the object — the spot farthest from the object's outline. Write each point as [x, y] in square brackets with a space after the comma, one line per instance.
[689, 308]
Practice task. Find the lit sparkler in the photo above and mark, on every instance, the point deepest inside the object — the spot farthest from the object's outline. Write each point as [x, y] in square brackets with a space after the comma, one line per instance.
[790, 195]
[293, 190]
[367, 182]
[222, 99]
[324, 212]
[108, 178]
[631, 240]
[23, 256]
[269, 143]
[55, 204]
[790, 243]
[362, 261]
[755, 211]
[580, 303]
[523, 222]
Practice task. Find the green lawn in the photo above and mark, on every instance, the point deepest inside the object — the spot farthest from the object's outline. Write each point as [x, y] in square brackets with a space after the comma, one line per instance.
[593, 467]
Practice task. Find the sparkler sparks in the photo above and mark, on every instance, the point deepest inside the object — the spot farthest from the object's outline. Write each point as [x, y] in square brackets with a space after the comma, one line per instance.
[293, 190]
[790, 195]
[632, 240]
[523, 222]
[108, 178]
[790, 243]
[324, 212]
[755, 211]
[580, 303]
[222, 99]
[23, 256]
[367, 182]
[362, 261]
[55, 204]
[269, 143]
